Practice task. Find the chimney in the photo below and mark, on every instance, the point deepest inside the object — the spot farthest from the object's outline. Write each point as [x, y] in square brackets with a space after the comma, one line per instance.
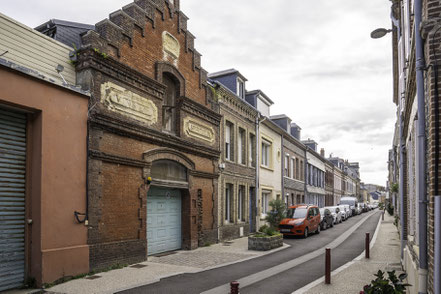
[322, 152]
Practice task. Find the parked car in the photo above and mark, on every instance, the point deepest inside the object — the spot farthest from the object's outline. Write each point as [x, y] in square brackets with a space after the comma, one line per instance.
[344, 212]
[336, 213]
[359, 209]
[352, 202]
[327, 221]
[301, 220]
[348, 210]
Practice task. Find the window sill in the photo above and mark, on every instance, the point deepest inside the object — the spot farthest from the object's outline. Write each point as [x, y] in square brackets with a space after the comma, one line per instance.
[266, 167]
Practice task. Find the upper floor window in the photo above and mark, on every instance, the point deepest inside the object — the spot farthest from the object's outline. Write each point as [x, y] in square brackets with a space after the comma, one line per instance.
[229, 139]
[292, 168]
[169, 107]
[252, 150]
[241, 146]
[266, 153]
[240, 88]
[286, 167]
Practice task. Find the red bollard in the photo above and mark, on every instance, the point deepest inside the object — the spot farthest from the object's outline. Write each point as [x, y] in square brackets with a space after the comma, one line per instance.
[382, 215]
[328, 266]
[234, 287]
[366, 243]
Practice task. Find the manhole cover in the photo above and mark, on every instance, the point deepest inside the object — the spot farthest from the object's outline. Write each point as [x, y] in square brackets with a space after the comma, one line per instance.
[138, 265]
[93, 277]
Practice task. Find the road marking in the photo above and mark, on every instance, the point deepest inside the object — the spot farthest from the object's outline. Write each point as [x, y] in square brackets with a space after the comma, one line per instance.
[341, 268]
[259, 276]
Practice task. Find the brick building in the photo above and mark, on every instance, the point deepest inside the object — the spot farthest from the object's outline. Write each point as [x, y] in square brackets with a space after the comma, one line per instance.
[237, 182]
[414, 158]
[151, 115]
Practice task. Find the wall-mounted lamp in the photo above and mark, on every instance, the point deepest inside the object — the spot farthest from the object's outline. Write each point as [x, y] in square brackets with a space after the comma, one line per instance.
[380, 33]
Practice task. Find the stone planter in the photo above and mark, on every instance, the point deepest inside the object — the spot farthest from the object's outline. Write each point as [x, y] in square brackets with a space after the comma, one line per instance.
[265, 243]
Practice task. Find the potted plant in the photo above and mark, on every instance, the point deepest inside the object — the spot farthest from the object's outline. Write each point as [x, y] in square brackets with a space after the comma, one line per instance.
[268, 237]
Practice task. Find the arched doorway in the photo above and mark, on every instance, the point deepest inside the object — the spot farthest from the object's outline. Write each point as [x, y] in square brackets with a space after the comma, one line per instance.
[164, 206]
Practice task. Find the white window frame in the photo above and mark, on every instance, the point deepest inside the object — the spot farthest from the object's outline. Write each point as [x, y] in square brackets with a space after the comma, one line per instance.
[264, 202]
[291, 167]
[286, 166]
[239, 93]
[228, 129]
[251, 154]
[266, 153]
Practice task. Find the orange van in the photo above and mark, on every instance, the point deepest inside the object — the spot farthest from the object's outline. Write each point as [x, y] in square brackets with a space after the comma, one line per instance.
[301, 219]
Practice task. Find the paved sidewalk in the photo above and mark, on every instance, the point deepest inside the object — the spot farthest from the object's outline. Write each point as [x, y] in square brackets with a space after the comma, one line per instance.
[167, 265]
[350, 278]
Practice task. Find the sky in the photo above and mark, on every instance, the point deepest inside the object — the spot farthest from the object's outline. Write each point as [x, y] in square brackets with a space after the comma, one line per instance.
[314, 59]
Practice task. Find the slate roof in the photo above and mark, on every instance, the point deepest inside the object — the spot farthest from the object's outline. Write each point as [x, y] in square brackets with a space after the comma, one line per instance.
[66, 32]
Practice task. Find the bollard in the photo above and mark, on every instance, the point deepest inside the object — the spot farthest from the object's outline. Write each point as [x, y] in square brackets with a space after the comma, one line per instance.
[234, 287]
[382, 215]
[328, 266]
[366, 243]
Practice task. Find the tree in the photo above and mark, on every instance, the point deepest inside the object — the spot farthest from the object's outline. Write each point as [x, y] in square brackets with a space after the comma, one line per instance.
[277, 213]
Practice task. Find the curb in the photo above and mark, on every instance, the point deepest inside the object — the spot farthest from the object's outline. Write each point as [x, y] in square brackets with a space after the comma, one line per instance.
[341, 268]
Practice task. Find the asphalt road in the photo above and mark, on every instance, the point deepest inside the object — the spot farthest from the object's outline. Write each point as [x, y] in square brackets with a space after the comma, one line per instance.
[286, 281]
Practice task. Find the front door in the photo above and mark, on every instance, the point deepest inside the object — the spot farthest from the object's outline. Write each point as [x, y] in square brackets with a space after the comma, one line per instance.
[163, 220]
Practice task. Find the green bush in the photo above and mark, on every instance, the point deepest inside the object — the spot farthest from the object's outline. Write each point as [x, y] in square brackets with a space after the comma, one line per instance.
[277, 213]
[386, 285]
[266, 231]
[390, 209]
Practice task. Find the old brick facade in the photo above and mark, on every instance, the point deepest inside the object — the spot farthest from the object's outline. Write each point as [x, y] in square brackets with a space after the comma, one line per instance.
[150, 105]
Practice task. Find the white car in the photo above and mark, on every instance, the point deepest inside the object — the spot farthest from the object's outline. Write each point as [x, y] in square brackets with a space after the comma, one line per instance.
[336, 213]
[346, 211]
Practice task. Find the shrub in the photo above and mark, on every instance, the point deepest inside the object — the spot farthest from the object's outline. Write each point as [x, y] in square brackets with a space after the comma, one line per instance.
[386, 285]
[277, 213]
[390, 209]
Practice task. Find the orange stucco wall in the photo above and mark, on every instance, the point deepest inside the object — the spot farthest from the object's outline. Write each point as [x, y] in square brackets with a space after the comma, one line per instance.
[56, 174]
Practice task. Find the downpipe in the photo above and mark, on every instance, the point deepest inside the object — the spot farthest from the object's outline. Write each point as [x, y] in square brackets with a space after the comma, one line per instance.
[421, 164]
[437, 255]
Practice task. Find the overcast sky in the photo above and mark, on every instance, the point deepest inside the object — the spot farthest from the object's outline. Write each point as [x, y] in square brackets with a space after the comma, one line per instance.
[314, 59]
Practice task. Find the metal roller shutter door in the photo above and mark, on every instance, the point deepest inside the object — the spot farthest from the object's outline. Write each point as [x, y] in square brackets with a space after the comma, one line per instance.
[12, 198]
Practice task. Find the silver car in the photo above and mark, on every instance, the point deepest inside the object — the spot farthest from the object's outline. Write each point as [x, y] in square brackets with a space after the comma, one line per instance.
[336, 213]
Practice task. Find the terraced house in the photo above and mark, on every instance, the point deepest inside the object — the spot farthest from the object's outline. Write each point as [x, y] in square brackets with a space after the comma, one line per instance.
[237, 164]
[293, 169]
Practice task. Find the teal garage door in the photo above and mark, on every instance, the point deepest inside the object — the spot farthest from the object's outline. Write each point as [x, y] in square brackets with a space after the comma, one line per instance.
[12, 198]
[163, 220]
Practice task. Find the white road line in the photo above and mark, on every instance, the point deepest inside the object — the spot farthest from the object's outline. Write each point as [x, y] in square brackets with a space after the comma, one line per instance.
[341, 268]
[251, 279]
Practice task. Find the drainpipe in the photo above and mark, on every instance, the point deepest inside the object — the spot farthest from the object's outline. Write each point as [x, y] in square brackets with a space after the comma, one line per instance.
[401, 145]
[283, 171]
[421, 164]
[437, 255]
[258, 121]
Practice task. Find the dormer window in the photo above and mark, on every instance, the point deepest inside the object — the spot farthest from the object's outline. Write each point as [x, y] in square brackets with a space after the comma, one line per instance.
[240, 88]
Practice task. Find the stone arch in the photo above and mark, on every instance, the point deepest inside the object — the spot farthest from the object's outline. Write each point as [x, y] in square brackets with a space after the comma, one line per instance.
[166, 67]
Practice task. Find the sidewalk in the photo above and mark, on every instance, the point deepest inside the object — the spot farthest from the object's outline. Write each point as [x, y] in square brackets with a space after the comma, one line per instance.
[351, 277]
[157, 267]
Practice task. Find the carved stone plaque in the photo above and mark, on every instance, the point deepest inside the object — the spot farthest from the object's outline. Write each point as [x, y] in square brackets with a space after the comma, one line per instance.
[121, 100]
[198, 130]
[170, 44]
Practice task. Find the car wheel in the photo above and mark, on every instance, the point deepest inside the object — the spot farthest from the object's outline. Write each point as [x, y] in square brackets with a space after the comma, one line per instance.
[305, 233]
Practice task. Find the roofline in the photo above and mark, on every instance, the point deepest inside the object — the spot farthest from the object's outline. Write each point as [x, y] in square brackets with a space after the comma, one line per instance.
[227, 72]
[260, 92]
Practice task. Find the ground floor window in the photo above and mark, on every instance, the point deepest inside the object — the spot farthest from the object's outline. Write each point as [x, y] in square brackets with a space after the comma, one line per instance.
[241, 203]
[265, 200]
[228, 202]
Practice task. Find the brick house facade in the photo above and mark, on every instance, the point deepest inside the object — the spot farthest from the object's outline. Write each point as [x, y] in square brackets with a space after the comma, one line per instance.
[150, 116]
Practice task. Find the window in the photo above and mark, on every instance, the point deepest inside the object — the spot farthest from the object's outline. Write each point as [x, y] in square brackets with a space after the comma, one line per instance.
[168, 109]
[301, 170]
[241, 143]
[240, 91]
[168, 170]
[292, 169]
[229, 138]
[228, 202]
[241, 204]
[264, 203]
[266, 152]
[286, 167]
[252, 150]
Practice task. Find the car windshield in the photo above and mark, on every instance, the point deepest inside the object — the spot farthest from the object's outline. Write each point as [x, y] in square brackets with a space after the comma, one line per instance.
[332, 209]
[296, 213]
[349, 202]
